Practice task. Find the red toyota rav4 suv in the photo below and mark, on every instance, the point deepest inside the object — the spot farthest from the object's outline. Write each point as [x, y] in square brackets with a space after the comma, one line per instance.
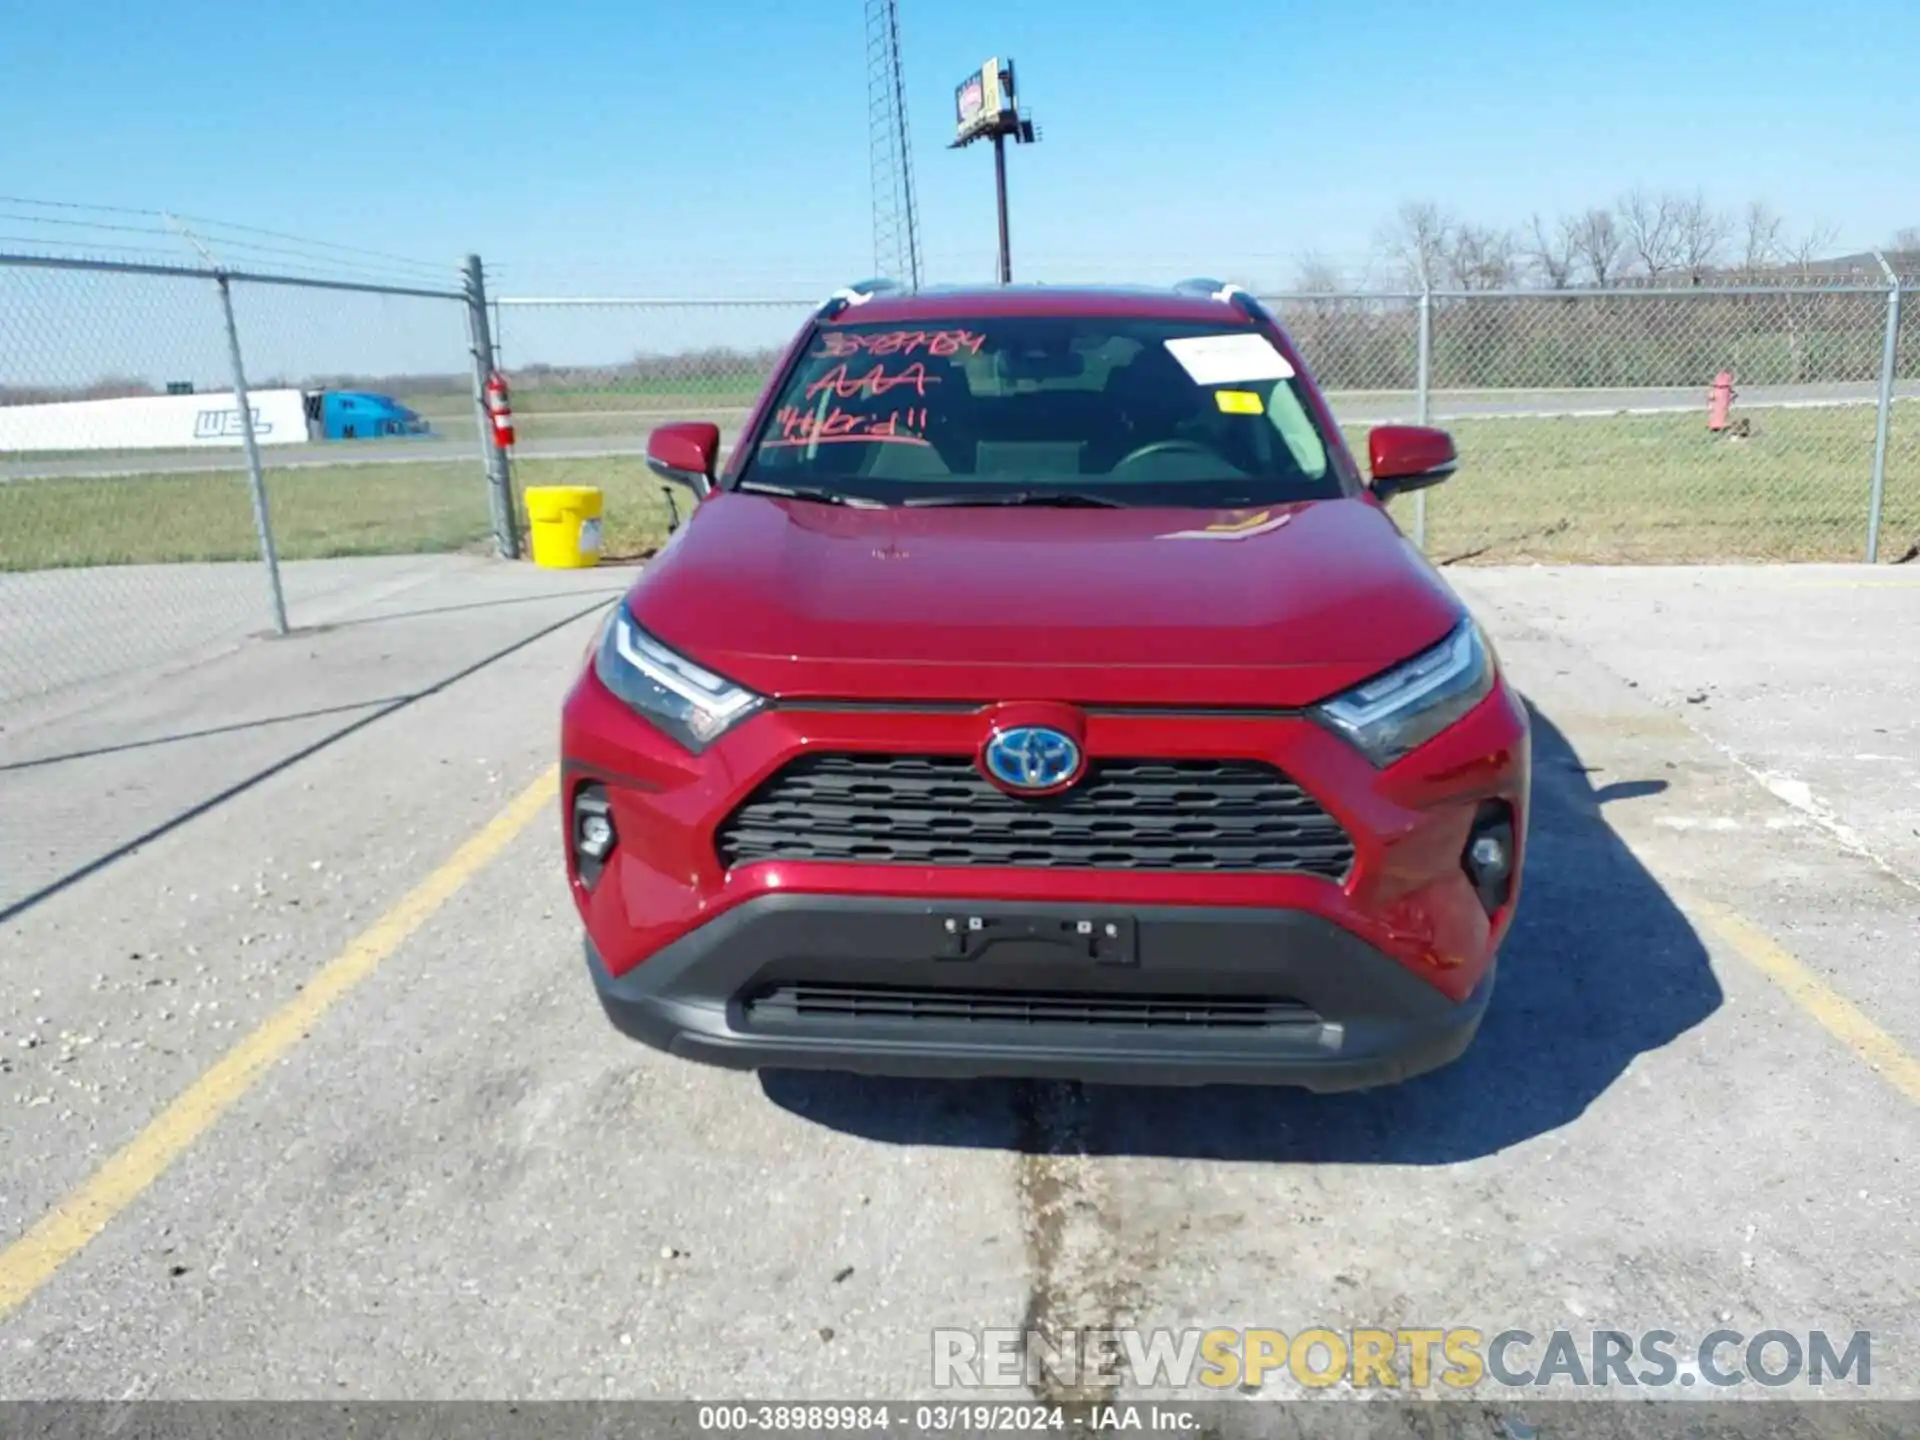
[1040, 689]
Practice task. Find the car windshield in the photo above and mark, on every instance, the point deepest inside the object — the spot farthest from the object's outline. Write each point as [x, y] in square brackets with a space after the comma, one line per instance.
[1034, 409]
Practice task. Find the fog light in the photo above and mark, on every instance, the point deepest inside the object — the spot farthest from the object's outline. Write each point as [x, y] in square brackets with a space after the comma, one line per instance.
[1488, 858]
[1488, 855]
[596, 836]
[593, 833]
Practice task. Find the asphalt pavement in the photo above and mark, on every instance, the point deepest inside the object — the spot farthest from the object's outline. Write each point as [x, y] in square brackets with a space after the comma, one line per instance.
[112, 754]
[308, 1097]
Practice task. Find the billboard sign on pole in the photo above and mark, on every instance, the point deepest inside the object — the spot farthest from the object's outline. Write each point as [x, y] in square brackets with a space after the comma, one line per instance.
[977, 103]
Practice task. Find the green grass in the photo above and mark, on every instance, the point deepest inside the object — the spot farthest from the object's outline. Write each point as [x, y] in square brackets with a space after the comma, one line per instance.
[318, 513]
[1618, 489]
[1659, 489]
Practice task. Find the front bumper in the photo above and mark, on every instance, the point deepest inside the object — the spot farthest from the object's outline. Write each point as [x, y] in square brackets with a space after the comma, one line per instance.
[1156, 995]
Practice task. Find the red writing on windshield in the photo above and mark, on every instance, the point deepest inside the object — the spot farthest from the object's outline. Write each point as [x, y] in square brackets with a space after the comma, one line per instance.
[875, 382]
[839, 343]
[804, 427]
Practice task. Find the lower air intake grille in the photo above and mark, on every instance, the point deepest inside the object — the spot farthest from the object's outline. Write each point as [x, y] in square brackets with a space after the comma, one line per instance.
[1211, 815]
[789, 1005]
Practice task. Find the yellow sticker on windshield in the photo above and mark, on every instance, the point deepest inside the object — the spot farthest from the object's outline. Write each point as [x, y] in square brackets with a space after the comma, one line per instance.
[1238, 402]
[1245, 522]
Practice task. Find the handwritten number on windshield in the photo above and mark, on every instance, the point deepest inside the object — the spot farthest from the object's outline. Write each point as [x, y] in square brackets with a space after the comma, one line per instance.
[839, 344]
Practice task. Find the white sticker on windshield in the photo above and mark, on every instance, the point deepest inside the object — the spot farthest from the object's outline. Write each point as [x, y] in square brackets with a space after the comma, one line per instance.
[1229, 359]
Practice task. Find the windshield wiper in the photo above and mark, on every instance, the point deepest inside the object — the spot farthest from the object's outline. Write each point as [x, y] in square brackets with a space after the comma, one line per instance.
[806, 492]
[1062, 498]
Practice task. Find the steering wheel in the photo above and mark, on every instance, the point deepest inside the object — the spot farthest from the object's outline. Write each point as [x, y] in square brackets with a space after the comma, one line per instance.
[1163, 447]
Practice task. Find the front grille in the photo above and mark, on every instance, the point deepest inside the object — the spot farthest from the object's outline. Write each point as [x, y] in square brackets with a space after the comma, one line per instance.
[788, 1005]
[1213, 815]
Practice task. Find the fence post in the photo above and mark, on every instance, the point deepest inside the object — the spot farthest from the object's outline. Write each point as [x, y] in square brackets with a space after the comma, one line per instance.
[1422, 386]
[506, 520]
[1888, 359]
[262, 521]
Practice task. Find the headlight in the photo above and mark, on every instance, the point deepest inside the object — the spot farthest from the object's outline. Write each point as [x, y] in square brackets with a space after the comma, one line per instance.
[692, 705]
[1394, 713]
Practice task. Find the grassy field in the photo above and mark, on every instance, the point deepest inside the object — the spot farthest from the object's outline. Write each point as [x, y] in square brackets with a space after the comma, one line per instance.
[317, 513]
[1659, 489]
[1619, 489]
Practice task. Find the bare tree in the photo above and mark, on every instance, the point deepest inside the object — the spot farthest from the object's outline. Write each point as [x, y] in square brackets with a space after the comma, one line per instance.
[1652, 232]
[1907, 237]
[1597, 243]
[1478, 257]
[1554, 251]
[1657, 235]
[1806, 251]
[1761, 237]
[1699, 233]
[1414, 242]
[1316, 275]
[1801, 312]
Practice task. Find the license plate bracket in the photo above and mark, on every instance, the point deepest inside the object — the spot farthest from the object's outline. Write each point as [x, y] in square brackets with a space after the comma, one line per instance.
[1101, 939]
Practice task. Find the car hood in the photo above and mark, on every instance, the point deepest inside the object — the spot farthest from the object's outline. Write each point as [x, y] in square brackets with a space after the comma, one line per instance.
[1280, 606]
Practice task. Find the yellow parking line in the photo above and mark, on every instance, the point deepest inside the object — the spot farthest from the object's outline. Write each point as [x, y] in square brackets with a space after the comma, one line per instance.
[29, 1262]
[1834, 1013]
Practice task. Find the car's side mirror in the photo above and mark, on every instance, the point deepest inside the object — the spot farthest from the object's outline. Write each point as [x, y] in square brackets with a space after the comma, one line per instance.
[685, 453]
[1409, 457]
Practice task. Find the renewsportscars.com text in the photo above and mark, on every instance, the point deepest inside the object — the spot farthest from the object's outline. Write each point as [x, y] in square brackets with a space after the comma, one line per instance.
[1455, 1359]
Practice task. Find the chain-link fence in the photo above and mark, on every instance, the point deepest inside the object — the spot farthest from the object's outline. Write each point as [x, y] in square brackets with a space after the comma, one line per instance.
[106, 555]
[592, 377]
[1898, 533]
[394, 469]
[142, 529]
[1581, 416]
[1586, 425]
[146, 516]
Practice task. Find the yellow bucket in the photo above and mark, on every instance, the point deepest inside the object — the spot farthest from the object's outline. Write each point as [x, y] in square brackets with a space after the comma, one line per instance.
[565, 522]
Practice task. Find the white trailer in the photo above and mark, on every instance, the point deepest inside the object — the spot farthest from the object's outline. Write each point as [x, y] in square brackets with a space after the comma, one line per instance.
[157, 422]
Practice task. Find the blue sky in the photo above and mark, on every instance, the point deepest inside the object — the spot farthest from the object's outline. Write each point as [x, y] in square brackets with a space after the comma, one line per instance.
[635, 145]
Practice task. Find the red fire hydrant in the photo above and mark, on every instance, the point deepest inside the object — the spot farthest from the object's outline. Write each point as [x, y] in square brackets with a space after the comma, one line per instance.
[1720, 401]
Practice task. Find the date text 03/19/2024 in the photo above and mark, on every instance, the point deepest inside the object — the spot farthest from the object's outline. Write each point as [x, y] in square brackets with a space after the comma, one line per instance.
[938, 1419]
